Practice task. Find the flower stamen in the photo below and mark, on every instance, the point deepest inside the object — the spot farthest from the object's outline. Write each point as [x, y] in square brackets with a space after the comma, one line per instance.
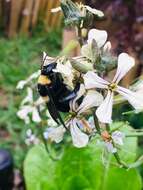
[112, 87]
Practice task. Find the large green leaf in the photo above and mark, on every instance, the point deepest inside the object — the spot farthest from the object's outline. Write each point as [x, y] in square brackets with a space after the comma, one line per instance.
[81, 169]
[39, 170]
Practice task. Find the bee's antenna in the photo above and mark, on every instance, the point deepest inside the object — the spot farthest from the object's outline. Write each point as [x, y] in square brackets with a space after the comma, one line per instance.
[43, 60]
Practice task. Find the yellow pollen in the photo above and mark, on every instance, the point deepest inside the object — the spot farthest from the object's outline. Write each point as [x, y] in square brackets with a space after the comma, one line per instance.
[112, 86]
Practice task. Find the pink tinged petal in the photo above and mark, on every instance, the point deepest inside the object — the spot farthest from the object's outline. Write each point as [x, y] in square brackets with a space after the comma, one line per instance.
[134, 98]
[117, 137]
[110, 147]
[100, 36]
[125, 63]
[92, 80]
[35, 115]
[79, 138]
[92, 99]
[23, 113]
[104, 111]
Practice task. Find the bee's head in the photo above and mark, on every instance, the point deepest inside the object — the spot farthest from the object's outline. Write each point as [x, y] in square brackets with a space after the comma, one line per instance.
[46, 70]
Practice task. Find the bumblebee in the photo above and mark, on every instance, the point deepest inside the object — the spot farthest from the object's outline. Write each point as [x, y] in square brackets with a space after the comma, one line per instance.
[55, 93]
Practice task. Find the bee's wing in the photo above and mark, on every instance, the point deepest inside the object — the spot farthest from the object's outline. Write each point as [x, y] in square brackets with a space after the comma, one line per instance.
[54, 112]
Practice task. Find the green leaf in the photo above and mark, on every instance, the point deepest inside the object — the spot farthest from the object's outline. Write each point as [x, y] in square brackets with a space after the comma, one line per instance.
[39, 170]
[121, 179]
[82, 169]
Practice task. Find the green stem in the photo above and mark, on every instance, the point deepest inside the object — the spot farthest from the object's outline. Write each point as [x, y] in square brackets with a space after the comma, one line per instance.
[137, 163]
[120, 162]
[45, 143]
[135, 135]
[79, 35]
[116, 155]
[97, 126]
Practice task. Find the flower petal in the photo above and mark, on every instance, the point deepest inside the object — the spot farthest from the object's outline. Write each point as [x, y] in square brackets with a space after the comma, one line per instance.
[110, 147]
[117, 137]
[21, 84]
[134, 98]
[55, 134]
[80, 93]
[125, 63]
[34, 75]
[100, 36]
[79, 138]
[55, 10]
[104, 111]
[28, 132]
[94, 11]
[23, 113]
[107, 47]
[92, 80]
[29, 97]
[65, 69]
[92, 99]
[35, 115]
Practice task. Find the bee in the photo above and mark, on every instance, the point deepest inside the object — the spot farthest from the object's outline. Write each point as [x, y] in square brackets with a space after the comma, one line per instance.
[53, 90]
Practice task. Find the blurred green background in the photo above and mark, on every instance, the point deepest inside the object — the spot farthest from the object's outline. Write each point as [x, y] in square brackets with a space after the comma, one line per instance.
[19, 58]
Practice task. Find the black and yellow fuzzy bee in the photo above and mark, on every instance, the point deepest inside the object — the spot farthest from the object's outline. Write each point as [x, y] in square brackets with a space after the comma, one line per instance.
[52, 89]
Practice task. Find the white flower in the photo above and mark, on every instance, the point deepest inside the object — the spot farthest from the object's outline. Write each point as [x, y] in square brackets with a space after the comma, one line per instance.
[92, 50]
[79, 138]
[110, 147]
[29, 97]
[22, 83]
[55, 134]
[94, 11]
[93, 81]
[77, 124]
[31, 138]
[100, 36]
[116, 138]
[23, 113]
[31, 108]
[66, 70]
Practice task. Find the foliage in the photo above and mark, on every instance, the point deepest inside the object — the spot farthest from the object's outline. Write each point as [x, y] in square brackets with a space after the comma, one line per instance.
[80, 169]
